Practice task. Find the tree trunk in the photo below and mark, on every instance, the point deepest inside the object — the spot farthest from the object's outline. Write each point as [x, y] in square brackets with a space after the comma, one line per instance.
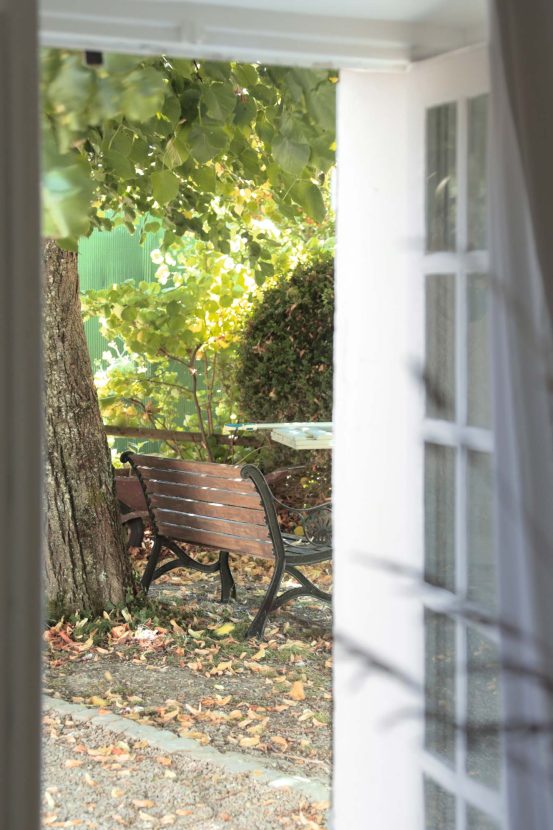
[87, 567]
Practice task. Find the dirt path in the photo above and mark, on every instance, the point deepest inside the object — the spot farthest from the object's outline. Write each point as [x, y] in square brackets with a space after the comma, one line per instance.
[100, 779]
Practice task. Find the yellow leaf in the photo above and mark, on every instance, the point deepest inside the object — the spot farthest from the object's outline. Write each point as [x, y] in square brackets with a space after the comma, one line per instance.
[108, 676]
[224, 629]
[297, 691]
[97, 701]
[248, 742]
[279, 741]
[259, 655]
[176, 627]
[167, 716]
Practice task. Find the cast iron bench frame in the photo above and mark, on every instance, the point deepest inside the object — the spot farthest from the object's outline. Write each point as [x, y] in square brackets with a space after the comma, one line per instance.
[231, 509]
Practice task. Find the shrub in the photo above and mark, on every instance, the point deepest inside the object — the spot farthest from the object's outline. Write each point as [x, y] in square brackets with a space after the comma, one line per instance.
[284, 355]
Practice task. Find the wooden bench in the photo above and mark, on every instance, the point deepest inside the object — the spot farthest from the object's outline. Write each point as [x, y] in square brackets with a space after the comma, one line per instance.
[229, 509]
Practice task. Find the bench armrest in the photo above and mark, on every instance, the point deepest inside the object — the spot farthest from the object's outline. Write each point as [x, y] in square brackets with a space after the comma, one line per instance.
[316, 521]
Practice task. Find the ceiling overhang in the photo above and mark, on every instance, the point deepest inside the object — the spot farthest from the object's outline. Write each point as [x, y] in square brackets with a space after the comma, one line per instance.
[207, 30]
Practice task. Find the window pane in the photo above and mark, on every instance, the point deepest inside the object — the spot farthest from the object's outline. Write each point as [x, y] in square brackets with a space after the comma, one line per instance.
[440, 686]
[483, 712]
[439, 807]
[478, 351]
[439, 516]
[482, 586]
[440, 346]
[476, 820]
[441, 177]
[477, 172]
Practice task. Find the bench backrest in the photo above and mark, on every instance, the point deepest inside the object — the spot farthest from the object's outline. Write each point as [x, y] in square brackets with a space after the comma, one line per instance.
[204, 504]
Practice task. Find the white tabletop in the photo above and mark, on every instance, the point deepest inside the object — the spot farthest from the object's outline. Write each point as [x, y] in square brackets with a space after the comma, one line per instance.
[297, 435]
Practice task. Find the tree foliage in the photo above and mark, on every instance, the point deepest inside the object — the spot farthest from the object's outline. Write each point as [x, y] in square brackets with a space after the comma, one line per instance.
[171, 340]
[204, 148]
[284, 355]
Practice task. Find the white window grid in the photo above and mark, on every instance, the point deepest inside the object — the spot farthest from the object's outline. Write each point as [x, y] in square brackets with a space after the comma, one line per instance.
[463, 438]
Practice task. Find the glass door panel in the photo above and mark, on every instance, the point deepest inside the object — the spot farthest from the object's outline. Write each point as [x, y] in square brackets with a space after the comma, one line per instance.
[461, 733]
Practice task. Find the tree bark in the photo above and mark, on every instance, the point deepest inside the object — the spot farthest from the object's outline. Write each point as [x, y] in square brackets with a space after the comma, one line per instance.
[86, 566]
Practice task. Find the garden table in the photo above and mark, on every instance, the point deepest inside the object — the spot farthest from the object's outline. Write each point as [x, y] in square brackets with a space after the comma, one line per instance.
[315, 435]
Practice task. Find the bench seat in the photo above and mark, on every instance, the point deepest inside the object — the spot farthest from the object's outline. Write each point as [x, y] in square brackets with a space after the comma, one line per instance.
[231, 509]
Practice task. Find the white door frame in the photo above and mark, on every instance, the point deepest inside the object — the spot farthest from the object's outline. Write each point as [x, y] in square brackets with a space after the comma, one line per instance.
[20, 419]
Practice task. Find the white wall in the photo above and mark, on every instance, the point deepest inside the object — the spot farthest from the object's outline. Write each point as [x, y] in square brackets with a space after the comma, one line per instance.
[377, 463]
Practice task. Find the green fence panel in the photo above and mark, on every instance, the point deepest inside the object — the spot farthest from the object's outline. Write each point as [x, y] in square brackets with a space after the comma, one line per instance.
[111, 257]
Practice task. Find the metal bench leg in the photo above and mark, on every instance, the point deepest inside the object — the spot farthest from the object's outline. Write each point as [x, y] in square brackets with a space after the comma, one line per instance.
[257, 627]
[151, 564]
[228, 588]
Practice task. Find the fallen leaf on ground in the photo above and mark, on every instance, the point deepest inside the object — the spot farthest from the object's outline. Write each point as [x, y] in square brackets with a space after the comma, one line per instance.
[164, 760]
[297, 692]
[248, 742]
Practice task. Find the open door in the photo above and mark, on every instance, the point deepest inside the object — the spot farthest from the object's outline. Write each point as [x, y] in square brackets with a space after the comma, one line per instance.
[417, 743]
[461, 754]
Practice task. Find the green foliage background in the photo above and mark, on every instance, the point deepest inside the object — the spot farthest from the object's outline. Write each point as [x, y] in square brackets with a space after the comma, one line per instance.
[284, 355]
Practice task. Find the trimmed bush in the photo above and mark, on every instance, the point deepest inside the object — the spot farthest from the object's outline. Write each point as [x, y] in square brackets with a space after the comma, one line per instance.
[284, 357]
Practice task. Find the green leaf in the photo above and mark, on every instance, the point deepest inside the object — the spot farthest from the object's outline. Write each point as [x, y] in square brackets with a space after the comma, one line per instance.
[119, 64]
[165, 186]
[66, 195]
[321, 105]
[129, 314]
[291, 155]
[171, 109]
[144, 94]
[139, 152]
[183, 66]
[205, 178]
[72, 88]
[122, 141]
[119, 165]
[246, 75]
[265, 94]
[309, 197]
[220, 101]
[218, 71]
[189, 102]
[207, 142]
[245, 111]
[176, 150]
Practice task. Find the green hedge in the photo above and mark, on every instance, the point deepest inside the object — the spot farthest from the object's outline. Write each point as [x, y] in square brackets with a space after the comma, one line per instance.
[284, 358]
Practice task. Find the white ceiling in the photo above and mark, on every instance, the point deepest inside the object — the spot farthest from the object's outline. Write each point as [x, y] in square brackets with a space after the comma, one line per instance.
[374, 34]
[458, 13]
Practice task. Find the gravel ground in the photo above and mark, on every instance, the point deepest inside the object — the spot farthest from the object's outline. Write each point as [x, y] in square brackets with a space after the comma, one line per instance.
[96, 778]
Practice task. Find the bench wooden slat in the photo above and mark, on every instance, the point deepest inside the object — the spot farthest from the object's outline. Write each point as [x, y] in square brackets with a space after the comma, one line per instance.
[253, 515]
[226, 497]
[244, 531]
[197, 480]
[202, 467]
[220, 541]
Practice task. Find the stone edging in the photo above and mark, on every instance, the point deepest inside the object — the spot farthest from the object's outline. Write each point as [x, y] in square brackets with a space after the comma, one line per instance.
[231, 762]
